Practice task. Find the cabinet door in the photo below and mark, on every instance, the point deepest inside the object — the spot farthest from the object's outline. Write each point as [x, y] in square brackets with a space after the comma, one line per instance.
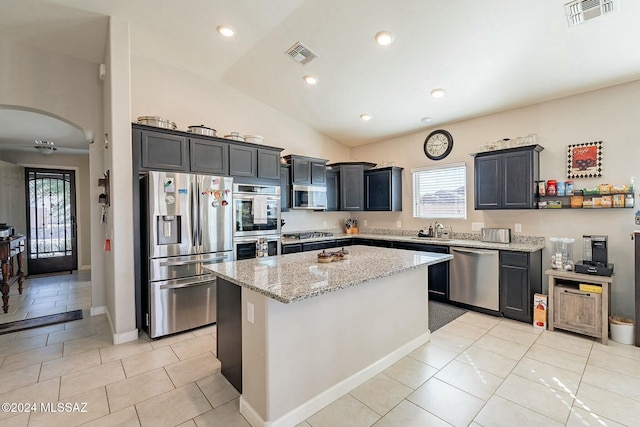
[211, 157]
[487, 181]
[268, 164]
[515, 291]
[318, 173]
[164, 151]
[351, 188]
[300, 171]
[285, 188]
[517, 180]
[314, 246]
[291, 249]
[377, 190]
[577, 311]
[243, 161]
[333, 190]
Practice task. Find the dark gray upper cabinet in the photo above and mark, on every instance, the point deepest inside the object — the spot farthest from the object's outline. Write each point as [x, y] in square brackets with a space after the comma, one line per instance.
[210, 157]
[333, 190]
[351, 184]
[307, 170]
[163, 151]
[268, 164]
[505, 179]
[243, 161]
[383, 189]
[285, 188]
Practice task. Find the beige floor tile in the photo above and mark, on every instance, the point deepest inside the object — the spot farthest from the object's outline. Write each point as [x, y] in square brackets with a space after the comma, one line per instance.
[544, 400]
[7, 339]
[615, 382]
[410, 372]
[464, 330]
[121, 351]
[96, 407]
[127, 417]
[613, 362]
[31, 357]
[31, 314]
[206, 330]
[548, 375]
[347, 411]
[44, 303]
[18, 378]
[20, 345]
[504, 347]
[447, 402]
[304, 424]
[227, 415]
[507, 331]
[86, 344]
[217, 389]
[407, 414]
[40, 331]
[78, 382]
[193, 347]
[40, 392]
[610, 405]
[19, 420]
[521, 326]
[470, 379]
[189, 423]
[69, 364]
[381, 393]
[487, 361]
[173, 407]
[559, 358]
[132, 390]
[163, 342]
[143, 362]
[70, 335]
[500, 412]
[566, 341]
[582, 418]
[616, 349]
[484, 321]
[190, 370]
[450, 341]
[433, 355]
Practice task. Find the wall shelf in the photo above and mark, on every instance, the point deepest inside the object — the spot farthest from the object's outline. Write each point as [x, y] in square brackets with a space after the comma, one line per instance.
[566, 201]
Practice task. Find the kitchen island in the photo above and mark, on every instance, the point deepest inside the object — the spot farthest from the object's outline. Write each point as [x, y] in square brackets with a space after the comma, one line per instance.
[295, 335]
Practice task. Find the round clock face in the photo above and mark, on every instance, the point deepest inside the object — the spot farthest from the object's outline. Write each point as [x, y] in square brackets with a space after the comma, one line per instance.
[438, 144]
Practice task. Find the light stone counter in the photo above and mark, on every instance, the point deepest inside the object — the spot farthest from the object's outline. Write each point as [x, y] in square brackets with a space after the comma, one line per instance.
[295, 277]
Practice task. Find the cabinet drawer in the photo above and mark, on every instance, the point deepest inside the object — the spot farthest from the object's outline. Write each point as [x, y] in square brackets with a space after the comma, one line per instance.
[518, 259]
[577, 311]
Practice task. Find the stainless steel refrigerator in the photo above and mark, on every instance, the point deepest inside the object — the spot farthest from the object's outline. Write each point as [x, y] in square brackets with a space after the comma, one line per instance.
[189, 223]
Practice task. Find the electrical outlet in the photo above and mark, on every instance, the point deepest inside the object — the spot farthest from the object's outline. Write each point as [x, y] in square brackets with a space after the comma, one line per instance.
[518, 228]
[324, 224]
[250, 312]
[477, 226]
[399, 224]
[364, 223]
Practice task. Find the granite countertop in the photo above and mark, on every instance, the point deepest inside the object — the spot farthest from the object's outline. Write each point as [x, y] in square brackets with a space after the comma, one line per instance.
[295, 277]
[523, 244]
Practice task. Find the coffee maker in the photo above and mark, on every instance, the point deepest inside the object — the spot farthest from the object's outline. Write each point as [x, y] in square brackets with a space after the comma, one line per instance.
[595, 257]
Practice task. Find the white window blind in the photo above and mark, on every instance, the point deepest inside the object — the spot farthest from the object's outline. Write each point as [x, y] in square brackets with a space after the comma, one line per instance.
[440, 191]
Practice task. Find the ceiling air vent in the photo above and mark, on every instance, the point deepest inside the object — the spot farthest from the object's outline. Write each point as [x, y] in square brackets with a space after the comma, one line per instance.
[584, 10]
[301, 54]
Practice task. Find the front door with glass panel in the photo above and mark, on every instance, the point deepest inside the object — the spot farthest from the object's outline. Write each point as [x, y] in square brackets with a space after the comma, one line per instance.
[51, 221]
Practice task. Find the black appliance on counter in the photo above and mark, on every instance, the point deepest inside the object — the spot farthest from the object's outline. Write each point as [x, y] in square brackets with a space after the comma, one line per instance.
[595, 257]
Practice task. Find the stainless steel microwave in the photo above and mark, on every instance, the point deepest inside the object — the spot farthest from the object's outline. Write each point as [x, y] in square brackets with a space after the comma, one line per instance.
[309, 197]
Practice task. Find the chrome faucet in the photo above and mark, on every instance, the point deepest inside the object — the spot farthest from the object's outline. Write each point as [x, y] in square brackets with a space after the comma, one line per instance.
[437, 230]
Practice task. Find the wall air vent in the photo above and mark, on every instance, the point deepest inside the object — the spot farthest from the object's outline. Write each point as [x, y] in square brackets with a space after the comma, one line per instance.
[301, 53]
[583, 10]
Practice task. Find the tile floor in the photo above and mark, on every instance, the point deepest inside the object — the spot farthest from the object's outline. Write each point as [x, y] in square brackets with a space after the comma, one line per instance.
[476, 371]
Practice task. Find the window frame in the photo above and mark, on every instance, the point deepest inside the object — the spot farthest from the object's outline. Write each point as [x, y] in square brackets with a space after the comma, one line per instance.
[415, 196]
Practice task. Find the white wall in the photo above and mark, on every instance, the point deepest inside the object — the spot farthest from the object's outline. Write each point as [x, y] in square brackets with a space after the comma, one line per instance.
[12, 196]
[609, 115]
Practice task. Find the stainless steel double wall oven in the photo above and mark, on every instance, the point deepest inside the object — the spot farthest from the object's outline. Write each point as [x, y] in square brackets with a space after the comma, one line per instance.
[256, 219]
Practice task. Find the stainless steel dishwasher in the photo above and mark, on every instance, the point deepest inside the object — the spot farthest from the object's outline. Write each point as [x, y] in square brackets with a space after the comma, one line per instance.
[475, 277]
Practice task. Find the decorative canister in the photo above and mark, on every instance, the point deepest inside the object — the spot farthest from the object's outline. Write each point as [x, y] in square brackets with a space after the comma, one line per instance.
[551, 187]
[541, 188]
[569, 188]
[560, 188]
[628, 201]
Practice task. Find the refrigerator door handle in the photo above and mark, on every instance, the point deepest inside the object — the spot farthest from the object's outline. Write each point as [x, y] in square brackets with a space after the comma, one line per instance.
[195, 261]
[194, 215]
[200, 215]
[187, 285]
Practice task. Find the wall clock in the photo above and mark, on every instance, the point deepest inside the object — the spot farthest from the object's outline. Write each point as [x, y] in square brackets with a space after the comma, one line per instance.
[438, 144]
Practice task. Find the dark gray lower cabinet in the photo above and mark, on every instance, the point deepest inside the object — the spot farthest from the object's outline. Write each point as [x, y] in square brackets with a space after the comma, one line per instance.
[520, 278]
[229, 330]
[438, 273]
[291, 249]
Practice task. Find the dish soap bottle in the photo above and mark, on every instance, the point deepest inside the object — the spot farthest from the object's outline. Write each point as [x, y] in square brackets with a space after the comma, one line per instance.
[430, 233]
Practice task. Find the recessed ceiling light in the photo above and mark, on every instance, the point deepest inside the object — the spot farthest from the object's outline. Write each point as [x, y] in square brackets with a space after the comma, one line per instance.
[311, 79]
[438, 93]
[365, 117]
[226, 30]
[384, 38]
[426, 119]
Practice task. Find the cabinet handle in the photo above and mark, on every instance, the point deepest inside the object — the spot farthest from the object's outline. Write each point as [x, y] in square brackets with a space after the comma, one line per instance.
[569, 291]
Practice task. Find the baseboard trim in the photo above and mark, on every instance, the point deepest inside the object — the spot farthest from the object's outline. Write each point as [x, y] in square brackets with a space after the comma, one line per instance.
[323, 399]
[123, 337]
[97, 311]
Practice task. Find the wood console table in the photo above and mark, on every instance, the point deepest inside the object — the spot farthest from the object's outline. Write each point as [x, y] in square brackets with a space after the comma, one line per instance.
[10, 249]
[577, 311]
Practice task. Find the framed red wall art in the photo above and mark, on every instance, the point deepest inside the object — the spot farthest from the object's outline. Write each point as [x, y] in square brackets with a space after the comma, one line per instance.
[584, 160]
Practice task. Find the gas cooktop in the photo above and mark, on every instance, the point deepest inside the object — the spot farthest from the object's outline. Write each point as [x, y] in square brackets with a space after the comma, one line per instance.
[307, 235]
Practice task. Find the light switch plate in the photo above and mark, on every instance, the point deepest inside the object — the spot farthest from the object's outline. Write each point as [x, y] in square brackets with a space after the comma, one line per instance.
[364, 223]
[250, 312]
[399, 224]
[477, 226]
[518, 228]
